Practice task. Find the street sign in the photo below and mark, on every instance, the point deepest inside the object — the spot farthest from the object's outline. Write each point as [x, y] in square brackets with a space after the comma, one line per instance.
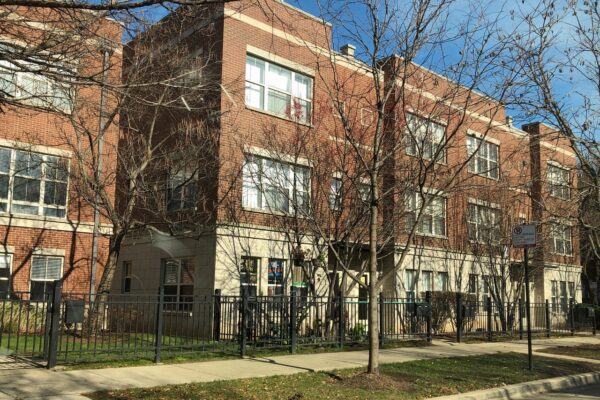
[524, 236]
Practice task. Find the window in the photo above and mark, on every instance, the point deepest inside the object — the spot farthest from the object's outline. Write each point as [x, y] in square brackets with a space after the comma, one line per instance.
[335, 195]
[433, 217]
[366, 117]
[275, 273]
[364, 193]
[555, 296]
[34, 88]
[248, 275]
[44, 271]
[564, 299]
[485, 159]
[427, 281]
[559, 182]
[182, 190]
[126, 274]
[425, 138]
[571, 290]
[561, 239]
[273, 185]
[409, 283]
[32, 183]
[473, 288]
[483, 224]
[178, 281]
[278, 90]
[442, 282]
[5, 264]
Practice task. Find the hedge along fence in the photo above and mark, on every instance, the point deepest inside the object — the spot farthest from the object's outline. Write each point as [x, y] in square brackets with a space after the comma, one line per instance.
[22, 317]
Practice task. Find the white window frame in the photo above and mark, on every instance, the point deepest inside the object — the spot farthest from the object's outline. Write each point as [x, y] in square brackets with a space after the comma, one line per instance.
[275, 286]
[257, 181]
[429, 275]
[267, 86]
[366, 117]
[46, 256]
[410, 290]
[561, 230]
[482, 162]
[479, 225]
[559, 181]
[9, 256]
[178, 305]
[554, 292]
[51, 98]
[422, 137]
[12, 203]
[126, 276]
[442, 285]
[336, 193]
[414, 205]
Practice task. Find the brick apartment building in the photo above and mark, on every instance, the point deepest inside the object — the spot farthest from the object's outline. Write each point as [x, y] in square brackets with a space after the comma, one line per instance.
[277, 81]
[46, 224]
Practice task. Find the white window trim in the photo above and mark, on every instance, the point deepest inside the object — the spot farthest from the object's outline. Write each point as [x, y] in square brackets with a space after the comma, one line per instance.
[266, 209]
[552, 183]
[40, 204]
[46, 253]
[10, 256]
[444, 197]
[485, 204]
[441, 160]
[552, 237]
[485, 174]
[266, 87]
[371, 115]
[481, 136]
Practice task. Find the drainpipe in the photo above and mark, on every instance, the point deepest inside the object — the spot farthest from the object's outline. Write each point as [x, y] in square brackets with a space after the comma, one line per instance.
[97, 173]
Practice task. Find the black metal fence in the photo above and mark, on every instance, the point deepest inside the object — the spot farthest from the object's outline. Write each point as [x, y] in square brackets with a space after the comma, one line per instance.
[70, 328]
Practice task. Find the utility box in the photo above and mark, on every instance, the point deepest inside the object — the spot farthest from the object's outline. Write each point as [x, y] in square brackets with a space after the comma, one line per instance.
[74, 310]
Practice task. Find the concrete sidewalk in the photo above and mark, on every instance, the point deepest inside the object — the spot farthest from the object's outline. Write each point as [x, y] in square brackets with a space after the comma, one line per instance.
[68, 385]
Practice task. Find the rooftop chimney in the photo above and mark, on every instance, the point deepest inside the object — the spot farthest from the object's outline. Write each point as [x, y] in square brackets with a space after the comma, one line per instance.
[509, 121]
[348, 50]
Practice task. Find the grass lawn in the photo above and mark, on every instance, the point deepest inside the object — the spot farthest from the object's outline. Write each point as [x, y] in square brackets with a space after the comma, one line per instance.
[584, 351]
[410, 380]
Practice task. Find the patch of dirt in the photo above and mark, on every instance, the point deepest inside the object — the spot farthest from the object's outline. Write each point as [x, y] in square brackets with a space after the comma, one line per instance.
[367, 381]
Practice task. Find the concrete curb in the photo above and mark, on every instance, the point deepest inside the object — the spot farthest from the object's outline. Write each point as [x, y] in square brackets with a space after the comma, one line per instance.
[528, 388]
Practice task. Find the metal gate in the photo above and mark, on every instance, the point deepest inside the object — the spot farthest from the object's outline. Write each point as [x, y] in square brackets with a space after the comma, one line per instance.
[22, 329]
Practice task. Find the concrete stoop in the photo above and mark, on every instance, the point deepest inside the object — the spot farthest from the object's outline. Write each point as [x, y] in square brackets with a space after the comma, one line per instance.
[519, 390]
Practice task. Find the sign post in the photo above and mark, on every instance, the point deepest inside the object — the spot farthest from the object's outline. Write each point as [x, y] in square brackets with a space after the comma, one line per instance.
[524, 236]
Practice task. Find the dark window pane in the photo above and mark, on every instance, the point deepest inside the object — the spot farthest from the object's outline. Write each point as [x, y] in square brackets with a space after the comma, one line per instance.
[26, 189]
[39, 290]
[4, 180]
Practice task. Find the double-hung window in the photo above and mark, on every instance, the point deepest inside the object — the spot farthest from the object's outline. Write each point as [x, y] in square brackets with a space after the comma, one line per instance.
[249, 275]
[182, 191]
[442, 282]
[278, 90]
[5, 263]
[32, 183]
[44, 271]
[335, 194]
[274, 185]
[425, 138]
[433, 215]
[126, 277]
[484, 157]
[555, 297]
[559, 182]
[473, 286]
[178, 282]
[561, 239]
[483, 224]
[426, 281]
[410, 283]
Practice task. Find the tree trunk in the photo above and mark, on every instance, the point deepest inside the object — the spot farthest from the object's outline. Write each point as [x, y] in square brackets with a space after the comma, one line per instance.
[373, 279]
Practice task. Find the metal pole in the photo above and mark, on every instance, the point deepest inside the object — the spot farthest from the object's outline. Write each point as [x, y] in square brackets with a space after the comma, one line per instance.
[429, 317]
[97, 173]
[159, 324]
[459, 316]
[489, 318]
[528, 310]
[381, 319]
[293, 319]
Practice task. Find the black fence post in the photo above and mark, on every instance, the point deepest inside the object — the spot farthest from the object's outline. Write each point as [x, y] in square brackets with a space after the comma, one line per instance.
[572, 315]
[521, 319]
[429, 316]
[381, 319]
[342, 319]
[217, 316]
[489, 318]
[55, 300]
[459, 316]
[244, 322]
[293, 319]
[594, 322]
[159, 324]
[548, 322]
